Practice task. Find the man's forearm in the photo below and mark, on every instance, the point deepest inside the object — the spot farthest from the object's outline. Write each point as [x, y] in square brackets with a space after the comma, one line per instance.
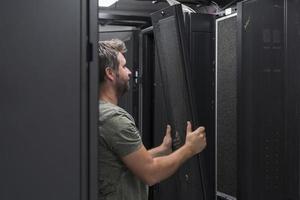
[165, 166]
[158, 151]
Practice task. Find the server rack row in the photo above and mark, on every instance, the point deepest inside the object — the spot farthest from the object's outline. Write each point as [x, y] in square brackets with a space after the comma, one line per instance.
[250, 105]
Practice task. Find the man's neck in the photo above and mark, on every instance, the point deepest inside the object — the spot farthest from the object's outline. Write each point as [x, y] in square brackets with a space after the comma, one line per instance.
[108, 94]
[109, 99]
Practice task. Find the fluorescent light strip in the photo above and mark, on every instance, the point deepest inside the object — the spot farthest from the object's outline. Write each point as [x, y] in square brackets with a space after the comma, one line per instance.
[106, 3]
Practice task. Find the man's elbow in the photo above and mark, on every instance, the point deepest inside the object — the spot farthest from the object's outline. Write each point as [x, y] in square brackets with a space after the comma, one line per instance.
[150, 180]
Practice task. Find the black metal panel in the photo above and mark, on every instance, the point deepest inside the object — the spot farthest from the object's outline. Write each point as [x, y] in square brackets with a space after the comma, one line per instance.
[180, 103]
[41, 82]
[130, 100]
[260, 105]
[226, 105]
[92, 87]
[200, 34]
[292, 99]
[147, 63]
[161, 190]
[125, 20]
[153, 110]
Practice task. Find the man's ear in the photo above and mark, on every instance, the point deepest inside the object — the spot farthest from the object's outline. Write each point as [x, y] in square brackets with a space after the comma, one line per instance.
[110, 73]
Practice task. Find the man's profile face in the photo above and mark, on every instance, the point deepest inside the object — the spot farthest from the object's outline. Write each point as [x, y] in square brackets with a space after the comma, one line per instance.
[123, 76]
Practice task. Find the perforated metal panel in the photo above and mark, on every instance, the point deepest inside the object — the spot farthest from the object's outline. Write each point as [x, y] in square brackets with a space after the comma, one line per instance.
[226, 105]
[170, 37]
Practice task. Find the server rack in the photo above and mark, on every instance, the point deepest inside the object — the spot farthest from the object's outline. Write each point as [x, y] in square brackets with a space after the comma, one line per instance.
[49, 104]
[261, 100]
[197, 33]
[263, 93]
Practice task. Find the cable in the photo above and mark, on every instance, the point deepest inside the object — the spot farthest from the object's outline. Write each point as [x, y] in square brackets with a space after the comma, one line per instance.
[229, 4]
[213, 2]
[216, 5]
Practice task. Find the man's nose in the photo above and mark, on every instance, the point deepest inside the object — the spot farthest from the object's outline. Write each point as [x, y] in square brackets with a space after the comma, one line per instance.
[129, 72]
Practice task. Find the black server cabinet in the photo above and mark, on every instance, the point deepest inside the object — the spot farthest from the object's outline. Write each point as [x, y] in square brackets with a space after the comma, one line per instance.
[49, 101]
[188, 182]
[130, 100]
[261, 149]
[257, 100]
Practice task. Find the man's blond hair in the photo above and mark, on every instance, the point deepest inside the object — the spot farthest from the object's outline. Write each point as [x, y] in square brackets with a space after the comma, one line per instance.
[108, 55]
[116, 44]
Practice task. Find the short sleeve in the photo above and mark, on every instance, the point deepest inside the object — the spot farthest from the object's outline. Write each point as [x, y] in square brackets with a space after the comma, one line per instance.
[122, 135]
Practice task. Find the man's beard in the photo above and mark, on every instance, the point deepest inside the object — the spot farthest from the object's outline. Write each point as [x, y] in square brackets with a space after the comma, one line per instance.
[122, 86]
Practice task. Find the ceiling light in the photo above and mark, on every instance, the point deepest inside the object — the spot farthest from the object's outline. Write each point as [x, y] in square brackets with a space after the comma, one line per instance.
[106, 3]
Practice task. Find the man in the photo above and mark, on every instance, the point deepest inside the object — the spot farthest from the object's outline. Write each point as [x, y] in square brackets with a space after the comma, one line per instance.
[126, 168]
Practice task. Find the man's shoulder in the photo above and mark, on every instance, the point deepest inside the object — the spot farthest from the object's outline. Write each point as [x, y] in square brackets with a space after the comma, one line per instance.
[117, 129]
[108, 110]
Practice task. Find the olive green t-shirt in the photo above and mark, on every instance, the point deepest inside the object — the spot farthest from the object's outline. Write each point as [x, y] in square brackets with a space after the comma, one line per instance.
[117, 137]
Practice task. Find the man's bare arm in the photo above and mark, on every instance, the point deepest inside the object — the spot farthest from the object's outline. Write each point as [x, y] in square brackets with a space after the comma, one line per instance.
[153, 170]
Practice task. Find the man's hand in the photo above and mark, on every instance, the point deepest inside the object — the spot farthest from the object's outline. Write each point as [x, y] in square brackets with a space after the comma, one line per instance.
[195, 140]
[166, 145]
